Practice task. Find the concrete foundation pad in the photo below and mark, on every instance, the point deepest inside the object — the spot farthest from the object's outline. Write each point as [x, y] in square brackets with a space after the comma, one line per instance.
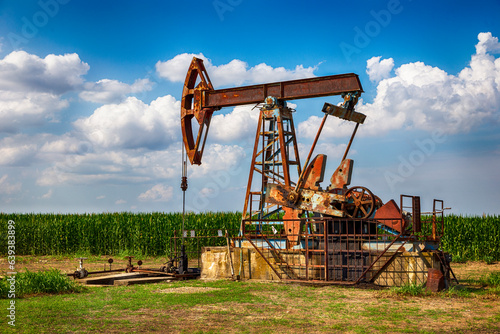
[247, 263]
[406, 267]
[143, 280]
[110, 279]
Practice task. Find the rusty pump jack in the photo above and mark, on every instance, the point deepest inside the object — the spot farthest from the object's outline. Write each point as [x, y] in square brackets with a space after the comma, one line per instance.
[276, 151]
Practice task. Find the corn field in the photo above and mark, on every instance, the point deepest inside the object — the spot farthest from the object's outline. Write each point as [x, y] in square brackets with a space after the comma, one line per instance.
[466, 238]
[109, 233]
[472, 238]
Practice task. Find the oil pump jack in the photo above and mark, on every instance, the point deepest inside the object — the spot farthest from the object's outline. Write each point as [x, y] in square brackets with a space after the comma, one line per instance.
[339, 233]
[276, 153]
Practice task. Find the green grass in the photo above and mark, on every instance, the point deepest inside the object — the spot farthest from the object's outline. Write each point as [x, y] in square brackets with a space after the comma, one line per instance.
[461, 292]
[28, 283]
[474, 286]
[241, 307]
[493, 279]
[410, 290]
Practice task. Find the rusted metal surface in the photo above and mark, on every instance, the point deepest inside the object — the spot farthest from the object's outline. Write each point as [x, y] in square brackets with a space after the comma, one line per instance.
[350, 141]
[276, 149]
[130, 268]
[275, 154]
[341, 178]
[200, 100]
[413, 210]
[346, 251]
[309, 200]
[315, 172]
[392, 216]
[293, 196]
[292, 225]
[344, 113]
[347, 234]
[445, 259]
[435, 280]
[192, 107]
[415, 205]
[285, 90]
[360, 203]
[437, 219]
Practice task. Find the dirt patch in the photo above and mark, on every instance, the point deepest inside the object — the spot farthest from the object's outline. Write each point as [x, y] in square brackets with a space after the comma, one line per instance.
[353, 313]
[187, 289]
[474, 270]
[387, 311]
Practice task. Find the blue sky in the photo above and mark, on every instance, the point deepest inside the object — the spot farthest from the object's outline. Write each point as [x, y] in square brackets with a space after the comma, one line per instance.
[89, 98]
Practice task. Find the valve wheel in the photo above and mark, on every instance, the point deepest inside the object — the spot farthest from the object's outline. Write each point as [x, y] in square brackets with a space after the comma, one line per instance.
[360, 203]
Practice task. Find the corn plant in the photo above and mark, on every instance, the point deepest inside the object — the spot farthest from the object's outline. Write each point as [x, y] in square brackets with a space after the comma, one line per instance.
[109, 233]
[472, 238]
[466, 238]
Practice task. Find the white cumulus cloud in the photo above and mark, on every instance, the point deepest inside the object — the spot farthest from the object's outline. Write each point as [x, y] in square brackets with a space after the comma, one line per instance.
[64, 144]
[487, 43]
[158, 193]
[219, 157]
[239, 124]
[48, 194]
[236, 72]
[334, 127]
[133, 124]
[109, 91]
[21, 109]
[420, 96]
[379, 69]
[111, 166]
[18, 150]
[333, 151]
[31, 87]
[25, 150]
[57, 74]
[8, 188]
